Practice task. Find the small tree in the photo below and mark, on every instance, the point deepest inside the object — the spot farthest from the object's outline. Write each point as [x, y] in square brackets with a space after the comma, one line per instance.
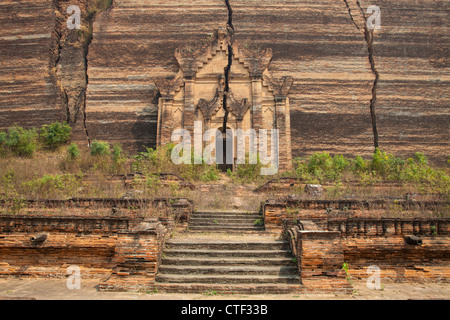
[100, 148]
[20, 141]
[55, 134]
[73, 151]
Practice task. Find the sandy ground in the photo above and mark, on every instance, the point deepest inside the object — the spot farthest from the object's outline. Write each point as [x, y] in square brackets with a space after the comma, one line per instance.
[56, 289]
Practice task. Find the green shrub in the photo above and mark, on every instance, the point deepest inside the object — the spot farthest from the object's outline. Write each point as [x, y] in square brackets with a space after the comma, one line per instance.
[55, 134]
[50, 186]
[72, 151]
[386, 165]
[247, 172]
[117, 154]
[320, 167]
[7, 185]
[3, 138]
[100, 148]
[359, 165]
[210, 175]
[20, 141]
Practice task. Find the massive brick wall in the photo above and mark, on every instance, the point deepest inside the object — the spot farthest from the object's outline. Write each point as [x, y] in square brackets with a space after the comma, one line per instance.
[125, 252]
[28, 92]
[316, 42]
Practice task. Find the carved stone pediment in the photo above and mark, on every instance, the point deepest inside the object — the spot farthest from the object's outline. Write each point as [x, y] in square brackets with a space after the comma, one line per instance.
[280, 88]
[237, 108]
[168, 87]
[191, 59]
[210, 108]
[255, 61]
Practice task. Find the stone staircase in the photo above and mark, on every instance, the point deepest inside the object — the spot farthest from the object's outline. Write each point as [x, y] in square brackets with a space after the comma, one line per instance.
[226, 267]
[243, 259]
[230, 222]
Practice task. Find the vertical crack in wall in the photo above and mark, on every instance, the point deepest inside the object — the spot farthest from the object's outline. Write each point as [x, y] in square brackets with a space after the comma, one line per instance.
[69, 63]
[230, 40]
[368, 37]
[57, 45]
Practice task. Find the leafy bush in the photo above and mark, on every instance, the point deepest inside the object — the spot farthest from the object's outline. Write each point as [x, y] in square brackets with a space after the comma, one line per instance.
[19, 141]
[321, 166]
[100, 148]
[386, 165]
[55, 134]
[7, 185]
[117, 154]
[72, 151]
[3, 138]
[210, 175]
[359, 165]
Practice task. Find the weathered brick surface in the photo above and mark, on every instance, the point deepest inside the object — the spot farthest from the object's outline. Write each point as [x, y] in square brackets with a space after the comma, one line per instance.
[370, 242]
[19, 257]
[322, 211]
[65, 224]
[397, 260]
[136, 259]
[316, 42]
[320, 257]
[390, 226]
[124, 251]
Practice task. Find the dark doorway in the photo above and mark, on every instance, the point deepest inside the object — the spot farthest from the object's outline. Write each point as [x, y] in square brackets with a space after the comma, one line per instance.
[221, 159]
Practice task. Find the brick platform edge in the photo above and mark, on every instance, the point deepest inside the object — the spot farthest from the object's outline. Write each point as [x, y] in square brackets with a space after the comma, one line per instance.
[124, 251]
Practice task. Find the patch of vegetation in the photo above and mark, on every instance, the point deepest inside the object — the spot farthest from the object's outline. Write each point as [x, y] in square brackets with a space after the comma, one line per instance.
[250, 171]
[54, 135]
[159, 160]
[100, 148]
[19, 141]
[73, 151]
[52, 186]
[258, 222]
[322, 167]
[347, 274]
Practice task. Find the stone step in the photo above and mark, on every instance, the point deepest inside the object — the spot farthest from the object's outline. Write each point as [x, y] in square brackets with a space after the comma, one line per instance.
[220, 228]
[258, 232]
[230, 261]
[229, 270]
[227, 213]
[218, 289]
[228, 245]
[236, 279]
[223, 224]
[226, 253]
[225, 219]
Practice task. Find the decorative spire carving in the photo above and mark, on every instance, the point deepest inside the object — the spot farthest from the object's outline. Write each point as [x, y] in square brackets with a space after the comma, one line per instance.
[210, 108]
[280, 88]
[237, 108]
[168, 87]
[255, 61]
